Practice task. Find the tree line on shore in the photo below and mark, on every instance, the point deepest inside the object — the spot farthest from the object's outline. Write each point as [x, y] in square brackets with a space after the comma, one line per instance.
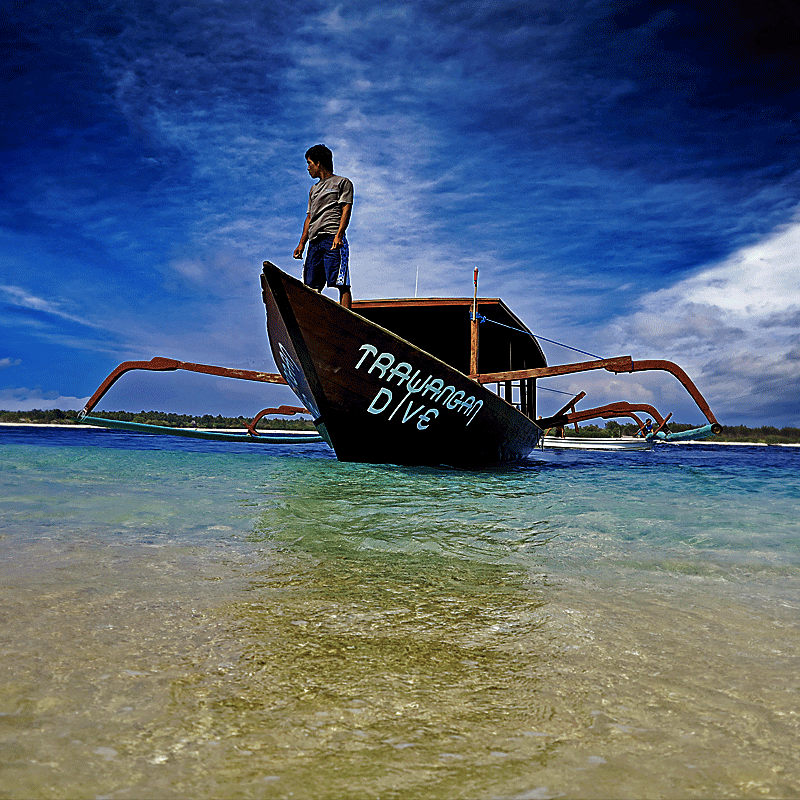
[58, 417]
[766, 434]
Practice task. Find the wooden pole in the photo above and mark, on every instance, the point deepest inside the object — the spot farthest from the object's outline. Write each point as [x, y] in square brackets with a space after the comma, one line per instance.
[473, 333]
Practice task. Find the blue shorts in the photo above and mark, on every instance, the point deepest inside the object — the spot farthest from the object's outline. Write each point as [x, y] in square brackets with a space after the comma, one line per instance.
[327, 267]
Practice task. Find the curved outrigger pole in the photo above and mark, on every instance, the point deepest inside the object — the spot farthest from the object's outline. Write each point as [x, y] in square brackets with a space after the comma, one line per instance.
[610, 411]
[620, 409]
[615, 365]
[159, 364]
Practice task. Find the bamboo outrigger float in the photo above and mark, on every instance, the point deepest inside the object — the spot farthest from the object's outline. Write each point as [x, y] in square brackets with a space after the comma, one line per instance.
[406, 381]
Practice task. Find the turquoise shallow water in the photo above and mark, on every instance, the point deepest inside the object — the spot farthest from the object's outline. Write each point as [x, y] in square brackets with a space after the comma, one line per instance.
[186, 618]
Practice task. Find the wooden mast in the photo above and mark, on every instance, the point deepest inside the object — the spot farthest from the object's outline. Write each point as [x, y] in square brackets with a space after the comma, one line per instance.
[473, 332]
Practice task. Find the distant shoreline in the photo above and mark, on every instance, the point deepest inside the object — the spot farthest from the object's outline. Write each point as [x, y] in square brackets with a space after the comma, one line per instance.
[738, 444]
[762, 435]
[314, 433]
[71, 425]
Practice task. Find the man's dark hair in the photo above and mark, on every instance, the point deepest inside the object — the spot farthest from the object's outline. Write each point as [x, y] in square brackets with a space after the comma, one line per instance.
[321, 155]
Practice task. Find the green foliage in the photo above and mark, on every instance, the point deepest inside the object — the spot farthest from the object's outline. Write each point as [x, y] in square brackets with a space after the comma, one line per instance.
[57, 417]
[767, 434]
[50, 417]
[730, 433]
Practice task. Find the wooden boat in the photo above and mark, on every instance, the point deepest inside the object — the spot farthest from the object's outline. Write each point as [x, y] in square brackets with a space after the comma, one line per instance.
[597, 443]
[388, 381]
[406, 381]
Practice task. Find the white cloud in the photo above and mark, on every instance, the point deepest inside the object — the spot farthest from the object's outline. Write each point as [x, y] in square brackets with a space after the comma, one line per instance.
[758, 283]
[733, 326]
[23, 399]
[9, 362]
[17, 296]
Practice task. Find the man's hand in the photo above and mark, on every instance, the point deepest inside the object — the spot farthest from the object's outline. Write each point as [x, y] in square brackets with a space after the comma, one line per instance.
[298, 251]
[337, 242]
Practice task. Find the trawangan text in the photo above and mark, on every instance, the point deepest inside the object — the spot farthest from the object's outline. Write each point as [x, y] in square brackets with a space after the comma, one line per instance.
[419, 397]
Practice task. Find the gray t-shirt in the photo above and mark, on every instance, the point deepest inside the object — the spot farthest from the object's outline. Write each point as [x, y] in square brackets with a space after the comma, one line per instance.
[325, 201]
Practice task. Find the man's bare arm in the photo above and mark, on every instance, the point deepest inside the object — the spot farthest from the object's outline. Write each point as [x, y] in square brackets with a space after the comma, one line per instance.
[347, 210]
[298, 251]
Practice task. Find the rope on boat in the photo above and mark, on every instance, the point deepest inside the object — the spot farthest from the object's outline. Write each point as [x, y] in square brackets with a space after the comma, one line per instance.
[481, 318]
[557, 391]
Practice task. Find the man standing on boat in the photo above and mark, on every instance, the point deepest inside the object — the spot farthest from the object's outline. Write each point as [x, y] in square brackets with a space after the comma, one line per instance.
[330, 204]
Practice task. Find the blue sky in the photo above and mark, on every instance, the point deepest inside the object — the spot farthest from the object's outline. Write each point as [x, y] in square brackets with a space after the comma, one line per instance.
[624, 174]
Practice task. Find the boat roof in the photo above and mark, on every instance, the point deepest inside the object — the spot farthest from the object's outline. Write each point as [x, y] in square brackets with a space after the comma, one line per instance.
[441, 327]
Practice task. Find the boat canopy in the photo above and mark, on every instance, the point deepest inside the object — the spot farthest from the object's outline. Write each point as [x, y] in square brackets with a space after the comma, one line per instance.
[441, 327]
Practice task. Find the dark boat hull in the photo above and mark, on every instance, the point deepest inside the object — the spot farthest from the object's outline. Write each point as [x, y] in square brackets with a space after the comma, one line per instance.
[376, 397]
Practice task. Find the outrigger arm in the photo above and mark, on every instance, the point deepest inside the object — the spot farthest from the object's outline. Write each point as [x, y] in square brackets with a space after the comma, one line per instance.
[620, 409]
[159, 364]
[615, 365]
